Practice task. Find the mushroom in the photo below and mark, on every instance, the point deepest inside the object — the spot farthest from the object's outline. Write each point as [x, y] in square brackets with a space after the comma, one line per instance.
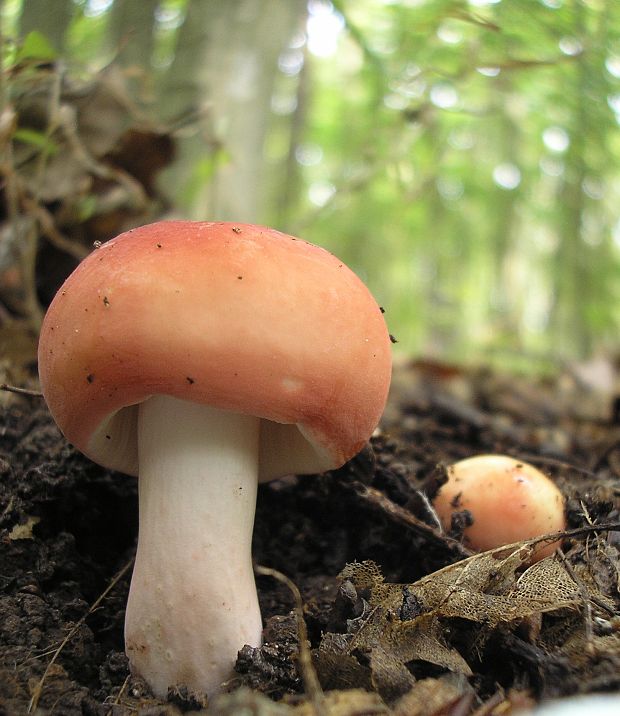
[509, 501]
[206, 357]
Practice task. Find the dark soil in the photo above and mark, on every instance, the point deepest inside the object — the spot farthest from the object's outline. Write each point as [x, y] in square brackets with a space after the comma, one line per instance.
[68, 530]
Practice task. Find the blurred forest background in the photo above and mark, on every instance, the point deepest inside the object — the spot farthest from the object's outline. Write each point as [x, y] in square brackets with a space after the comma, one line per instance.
[462, 156]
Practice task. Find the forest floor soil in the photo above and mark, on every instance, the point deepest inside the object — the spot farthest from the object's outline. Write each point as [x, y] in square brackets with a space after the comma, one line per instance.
[386, 635]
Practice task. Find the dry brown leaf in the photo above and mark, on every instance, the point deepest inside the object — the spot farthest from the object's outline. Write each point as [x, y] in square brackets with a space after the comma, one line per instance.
[403, 625]
[431, 697]
[338, 670]
[81, 166]
[390, 677]
[24, 530]
[105, 111]
[246, 701]
[353, 702]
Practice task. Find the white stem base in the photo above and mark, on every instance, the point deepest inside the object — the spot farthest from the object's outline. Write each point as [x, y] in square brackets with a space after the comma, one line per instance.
[192, 603]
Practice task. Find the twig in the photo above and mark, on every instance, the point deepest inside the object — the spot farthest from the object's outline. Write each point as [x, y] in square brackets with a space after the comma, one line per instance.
[119, 696]
[365, 619]
[308, 674]
[430, 509]
[599, 603]
[534, 542]
[136, 193]
[489, 706]
[53, 121]
[38, 690]
[27, 254]
[8, 508]
[541, 460]
[374, 60]
[21, 391]
[404, 517]
[50, 230]
[604, 455]
[585, 596]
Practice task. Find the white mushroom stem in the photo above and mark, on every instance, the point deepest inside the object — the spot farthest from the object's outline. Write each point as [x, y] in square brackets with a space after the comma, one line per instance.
[192, 603]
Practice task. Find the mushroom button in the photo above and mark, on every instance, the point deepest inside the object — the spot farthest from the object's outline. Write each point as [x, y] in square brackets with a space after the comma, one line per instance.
[203, 385]
[509, 501]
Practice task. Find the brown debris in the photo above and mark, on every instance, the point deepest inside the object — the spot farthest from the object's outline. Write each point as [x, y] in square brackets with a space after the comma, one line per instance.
[414, 624]
[79, 163]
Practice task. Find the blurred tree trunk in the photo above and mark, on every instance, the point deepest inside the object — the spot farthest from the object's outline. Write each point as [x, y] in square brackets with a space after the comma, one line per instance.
[288, 187]
[505, 306]
[224, 68]
[572, 279]
[50, 17]
[131, 34]
[581, 296]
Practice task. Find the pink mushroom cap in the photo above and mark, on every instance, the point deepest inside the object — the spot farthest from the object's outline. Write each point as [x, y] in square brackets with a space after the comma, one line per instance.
[240, 317]
[509, 501]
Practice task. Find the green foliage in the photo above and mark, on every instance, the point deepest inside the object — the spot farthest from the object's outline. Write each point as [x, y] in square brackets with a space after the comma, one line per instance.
[40, 140]
[35, 47]
[461, 156]
[472, 152]
[203, 170]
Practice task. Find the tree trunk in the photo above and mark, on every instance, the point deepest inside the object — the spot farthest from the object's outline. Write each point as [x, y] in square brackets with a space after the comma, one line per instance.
[49, 17]
[131, 35]
[576, 281]
[224, 69]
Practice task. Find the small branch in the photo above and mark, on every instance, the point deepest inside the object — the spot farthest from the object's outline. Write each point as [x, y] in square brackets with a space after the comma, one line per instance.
[582, 588]
[50, 231]
[603, 458]
[38, 690]
[585, 597]
[21, 391]
[53, 119]
[136, 194]
[308, 674]
[372, 58]
[8, 508]
[555, 462]
[119, 696]
[403, 517]
[430, 509]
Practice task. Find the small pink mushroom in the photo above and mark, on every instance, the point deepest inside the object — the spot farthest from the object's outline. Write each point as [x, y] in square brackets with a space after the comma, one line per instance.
[508, 499]
[206, 357]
